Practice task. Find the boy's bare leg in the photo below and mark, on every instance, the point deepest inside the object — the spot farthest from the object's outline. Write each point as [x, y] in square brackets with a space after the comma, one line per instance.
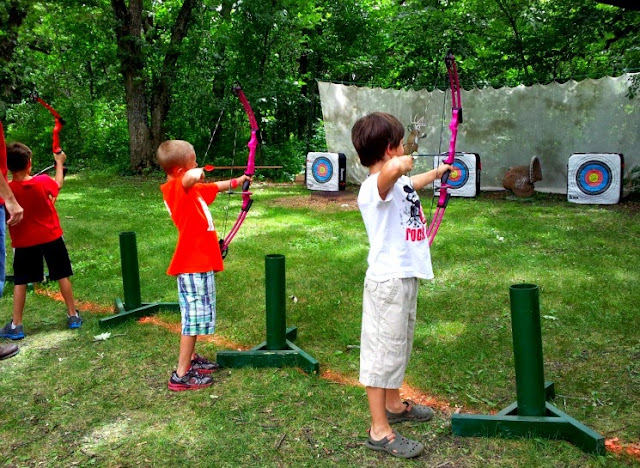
[380, 427]
[67, 294]
[19, 298]
[393, 401]
[187, 347]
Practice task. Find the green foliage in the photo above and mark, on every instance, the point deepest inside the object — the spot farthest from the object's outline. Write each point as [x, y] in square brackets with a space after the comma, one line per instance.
[67, 51]
[105, 403]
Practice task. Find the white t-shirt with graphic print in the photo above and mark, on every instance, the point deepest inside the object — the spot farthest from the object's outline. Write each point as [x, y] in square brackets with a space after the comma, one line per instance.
[397, 231]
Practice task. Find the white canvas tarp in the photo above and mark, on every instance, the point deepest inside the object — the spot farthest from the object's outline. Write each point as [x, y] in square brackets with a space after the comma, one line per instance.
[506, 126]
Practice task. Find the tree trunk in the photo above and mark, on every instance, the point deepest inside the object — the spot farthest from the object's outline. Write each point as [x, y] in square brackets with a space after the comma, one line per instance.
[146, 117]
[10, 25]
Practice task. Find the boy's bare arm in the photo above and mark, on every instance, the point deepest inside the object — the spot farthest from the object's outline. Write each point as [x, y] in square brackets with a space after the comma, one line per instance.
[60, 158]
[421, 180]
[225, 185]
[192, 177]
[391, 172]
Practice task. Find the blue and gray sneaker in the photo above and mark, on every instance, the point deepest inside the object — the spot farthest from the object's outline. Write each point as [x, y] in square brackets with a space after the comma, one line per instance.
[16, 333]
[74, 321]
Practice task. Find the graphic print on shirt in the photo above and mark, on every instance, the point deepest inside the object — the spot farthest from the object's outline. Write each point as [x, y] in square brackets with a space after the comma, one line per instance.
[207, 214]
[412, 216]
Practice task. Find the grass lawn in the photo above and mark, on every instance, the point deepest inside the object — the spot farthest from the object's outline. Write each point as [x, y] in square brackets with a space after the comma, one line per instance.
[67, 400]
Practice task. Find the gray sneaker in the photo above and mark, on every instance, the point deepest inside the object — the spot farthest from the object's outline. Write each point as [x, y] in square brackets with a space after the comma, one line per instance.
[74, 321]
[12, 333]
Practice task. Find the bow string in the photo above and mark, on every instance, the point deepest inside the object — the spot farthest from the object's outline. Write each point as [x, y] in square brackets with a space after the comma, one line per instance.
[247, 201]
[456, 118]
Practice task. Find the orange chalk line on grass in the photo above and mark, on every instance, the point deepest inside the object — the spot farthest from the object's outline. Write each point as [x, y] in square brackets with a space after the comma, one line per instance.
[177, 329]
[81, 305]
[613, 444]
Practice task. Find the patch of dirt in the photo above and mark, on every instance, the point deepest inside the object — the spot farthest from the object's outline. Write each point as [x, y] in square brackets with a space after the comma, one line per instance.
[346, 200]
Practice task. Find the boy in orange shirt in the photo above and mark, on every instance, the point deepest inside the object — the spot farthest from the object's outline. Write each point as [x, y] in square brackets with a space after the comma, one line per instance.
[196, 258]
[37, 237]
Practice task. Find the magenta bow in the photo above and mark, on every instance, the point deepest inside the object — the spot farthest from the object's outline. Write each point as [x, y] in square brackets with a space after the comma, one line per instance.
[456, 118]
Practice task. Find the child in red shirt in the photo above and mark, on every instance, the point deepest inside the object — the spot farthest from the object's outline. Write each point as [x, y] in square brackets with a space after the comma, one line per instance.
[37, 237]
[196, 258]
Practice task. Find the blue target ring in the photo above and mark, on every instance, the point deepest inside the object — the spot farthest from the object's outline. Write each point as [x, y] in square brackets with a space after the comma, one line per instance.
[593, 177]
[322, 170]
[459, 175]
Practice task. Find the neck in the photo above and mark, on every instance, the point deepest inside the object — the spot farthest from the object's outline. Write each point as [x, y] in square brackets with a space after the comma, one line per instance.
[21, 175]
[377, 167]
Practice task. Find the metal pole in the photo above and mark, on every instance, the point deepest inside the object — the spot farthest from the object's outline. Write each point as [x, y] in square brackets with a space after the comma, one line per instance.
[527, 349]
[275, 299]
[130, 272]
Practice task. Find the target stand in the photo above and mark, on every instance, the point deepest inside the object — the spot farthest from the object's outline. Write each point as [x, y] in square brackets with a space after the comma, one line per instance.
[464, 178]
[595, 178]
[531, 415]
[326, 172]
[132, 306]
[278, 350]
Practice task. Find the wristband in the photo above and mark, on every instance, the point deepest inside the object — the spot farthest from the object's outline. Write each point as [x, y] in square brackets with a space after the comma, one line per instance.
[234, 183]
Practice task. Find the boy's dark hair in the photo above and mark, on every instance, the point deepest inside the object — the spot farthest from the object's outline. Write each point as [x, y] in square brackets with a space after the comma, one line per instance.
[18, 156]
[373, 134]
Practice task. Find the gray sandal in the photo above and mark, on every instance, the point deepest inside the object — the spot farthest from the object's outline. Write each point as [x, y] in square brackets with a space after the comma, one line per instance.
[413, 412]
[396, 445]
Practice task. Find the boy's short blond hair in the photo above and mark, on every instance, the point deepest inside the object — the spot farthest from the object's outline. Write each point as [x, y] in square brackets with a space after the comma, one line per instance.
[174, 154]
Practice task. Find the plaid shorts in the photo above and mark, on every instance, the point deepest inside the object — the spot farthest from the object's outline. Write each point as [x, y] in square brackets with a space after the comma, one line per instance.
[197, 297]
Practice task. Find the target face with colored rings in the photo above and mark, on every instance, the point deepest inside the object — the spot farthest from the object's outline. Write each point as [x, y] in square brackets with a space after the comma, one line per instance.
[459, 175]
[593, 177]
[322, 170]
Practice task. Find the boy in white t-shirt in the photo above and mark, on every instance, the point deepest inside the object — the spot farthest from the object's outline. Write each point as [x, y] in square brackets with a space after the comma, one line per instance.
[398, 258]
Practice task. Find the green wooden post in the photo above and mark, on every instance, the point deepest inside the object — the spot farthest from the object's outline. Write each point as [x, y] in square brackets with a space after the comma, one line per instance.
[275, 298]
[278, 350]
[527, 349]
[130, 272]
[531, 415]
[132, 307]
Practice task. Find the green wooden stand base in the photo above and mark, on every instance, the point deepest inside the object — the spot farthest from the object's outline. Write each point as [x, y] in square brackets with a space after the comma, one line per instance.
[531, 414]
[146, 308]
[261, 356]
[553, 425]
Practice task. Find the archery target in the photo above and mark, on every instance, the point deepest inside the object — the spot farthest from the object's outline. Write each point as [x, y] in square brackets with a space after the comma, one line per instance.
[326, 171]
[595, 178]
[464, 179]
[322, 170]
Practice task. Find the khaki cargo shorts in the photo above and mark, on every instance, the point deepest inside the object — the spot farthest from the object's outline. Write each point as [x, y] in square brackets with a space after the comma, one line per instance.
[388, 323]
